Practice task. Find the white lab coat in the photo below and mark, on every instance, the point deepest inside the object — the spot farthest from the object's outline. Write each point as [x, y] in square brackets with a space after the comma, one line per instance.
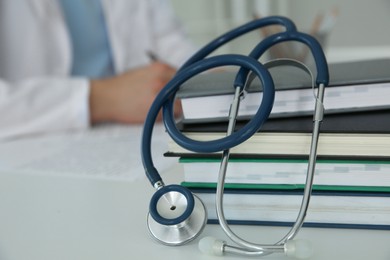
[36, 93]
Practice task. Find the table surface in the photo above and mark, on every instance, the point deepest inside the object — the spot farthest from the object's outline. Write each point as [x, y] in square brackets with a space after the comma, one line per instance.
[58, 217]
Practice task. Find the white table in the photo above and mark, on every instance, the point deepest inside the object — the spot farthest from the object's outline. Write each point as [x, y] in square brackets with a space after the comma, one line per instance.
[57, 217]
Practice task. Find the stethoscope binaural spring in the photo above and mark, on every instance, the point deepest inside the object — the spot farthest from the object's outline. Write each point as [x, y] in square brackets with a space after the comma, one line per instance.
[176, 215]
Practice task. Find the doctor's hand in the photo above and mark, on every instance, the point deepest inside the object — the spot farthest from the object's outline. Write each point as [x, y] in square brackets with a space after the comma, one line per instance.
[126, 98]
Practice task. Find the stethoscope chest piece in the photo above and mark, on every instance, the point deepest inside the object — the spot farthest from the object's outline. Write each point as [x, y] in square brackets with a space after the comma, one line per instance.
[176, 216]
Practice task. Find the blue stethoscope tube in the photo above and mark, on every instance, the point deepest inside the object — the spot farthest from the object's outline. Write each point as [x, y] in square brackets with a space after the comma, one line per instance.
[233, 34]
[165, 99]
[309, 41]
[198, 63]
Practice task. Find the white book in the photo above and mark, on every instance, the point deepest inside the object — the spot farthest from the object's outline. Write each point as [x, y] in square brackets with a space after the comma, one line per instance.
[288, 143]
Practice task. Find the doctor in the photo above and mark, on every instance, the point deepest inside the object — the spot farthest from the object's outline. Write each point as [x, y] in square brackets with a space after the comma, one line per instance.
[69, 64]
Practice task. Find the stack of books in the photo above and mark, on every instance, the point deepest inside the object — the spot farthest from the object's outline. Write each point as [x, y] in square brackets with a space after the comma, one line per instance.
[266, 174]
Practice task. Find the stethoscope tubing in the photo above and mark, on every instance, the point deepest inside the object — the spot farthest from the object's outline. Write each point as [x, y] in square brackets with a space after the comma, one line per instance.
[252, 249]
[233, 34]
[315, 48]
[198, 63]
[150, 171]
[165, 100]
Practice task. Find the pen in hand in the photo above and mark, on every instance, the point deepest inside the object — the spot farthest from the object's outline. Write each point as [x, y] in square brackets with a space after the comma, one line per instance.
[152, 56]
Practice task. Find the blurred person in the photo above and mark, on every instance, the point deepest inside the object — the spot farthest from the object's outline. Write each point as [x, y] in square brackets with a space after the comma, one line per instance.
[70, 64]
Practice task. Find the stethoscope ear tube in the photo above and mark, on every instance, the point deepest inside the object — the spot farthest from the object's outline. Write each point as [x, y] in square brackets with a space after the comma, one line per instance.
[241, 30]
[314, 46]
[176, 215]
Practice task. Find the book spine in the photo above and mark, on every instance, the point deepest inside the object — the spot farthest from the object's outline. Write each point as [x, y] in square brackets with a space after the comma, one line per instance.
[305, 224]
[211, 186]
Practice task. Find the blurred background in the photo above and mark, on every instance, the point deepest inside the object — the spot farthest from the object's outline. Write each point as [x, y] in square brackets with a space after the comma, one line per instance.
[348, 30]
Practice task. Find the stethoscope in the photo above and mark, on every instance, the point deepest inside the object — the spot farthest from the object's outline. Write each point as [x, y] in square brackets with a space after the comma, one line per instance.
[176, 216]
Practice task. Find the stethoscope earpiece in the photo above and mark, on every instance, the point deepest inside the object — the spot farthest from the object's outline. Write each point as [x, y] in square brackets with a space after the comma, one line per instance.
[211, 246]
[298, 248]
[175, 216]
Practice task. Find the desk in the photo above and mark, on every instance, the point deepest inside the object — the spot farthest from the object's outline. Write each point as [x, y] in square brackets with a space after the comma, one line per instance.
[59, 217]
